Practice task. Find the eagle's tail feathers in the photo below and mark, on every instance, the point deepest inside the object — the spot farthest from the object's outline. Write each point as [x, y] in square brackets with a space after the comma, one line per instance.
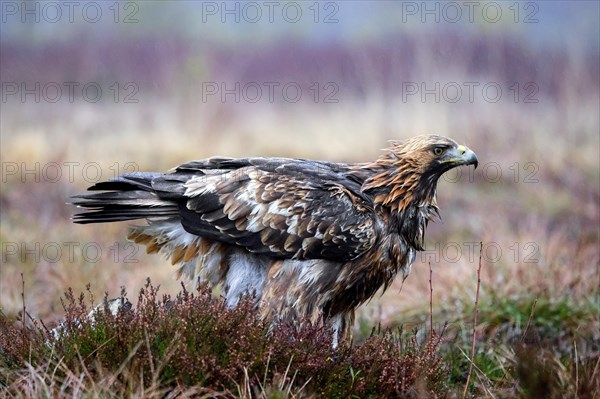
[127, 197]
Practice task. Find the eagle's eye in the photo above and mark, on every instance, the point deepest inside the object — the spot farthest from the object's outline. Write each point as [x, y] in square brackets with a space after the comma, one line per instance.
[437, 151]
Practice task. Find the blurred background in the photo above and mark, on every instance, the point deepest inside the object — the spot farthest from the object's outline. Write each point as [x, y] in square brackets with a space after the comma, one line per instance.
[91, 90]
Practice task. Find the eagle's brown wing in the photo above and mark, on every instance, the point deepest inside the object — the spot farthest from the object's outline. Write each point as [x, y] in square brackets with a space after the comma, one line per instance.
[291, 211]
[283, 208]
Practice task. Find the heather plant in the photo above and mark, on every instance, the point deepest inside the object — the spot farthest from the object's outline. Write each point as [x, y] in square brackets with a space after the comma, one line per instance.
[193, 341]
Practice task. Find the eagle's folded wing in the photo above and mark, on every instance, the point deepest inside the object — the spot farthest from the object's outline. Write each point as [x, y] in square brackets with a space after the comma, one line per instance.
[284, 215]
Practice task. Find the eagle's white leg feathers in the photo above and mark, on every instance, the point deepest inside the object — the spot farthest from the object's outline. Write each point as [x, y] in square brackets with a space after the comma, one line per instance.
[337, 325]
[247, 274]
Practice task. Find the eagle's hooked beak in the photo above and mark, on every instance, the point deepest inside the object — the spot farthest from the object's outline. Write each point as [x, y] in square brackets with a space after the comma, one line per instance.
[461, 155]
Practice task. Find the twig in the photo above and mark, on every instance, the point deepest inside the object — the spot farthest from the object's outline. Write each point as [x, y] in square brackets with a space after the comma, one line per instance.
[474, 321]
[430, 304]
[479, 373]
[595, 369]
[576, 366]
[23, 316]
[528, 321]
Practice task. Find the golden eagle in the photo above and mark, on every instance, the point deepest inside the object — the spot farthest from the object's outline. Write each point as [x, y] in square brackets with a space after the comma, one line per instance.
[311, 239]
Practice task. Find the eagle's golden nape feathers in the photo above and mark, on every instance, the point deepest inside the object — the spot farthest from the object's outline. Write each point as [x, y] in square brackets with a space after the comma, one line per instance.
[409, 170]
[311, 239]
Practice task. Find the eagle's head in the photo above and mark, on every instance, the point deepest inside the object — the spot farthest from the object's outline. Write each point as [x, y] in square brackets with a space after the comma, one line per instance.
[408, 172]
[430, 155]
